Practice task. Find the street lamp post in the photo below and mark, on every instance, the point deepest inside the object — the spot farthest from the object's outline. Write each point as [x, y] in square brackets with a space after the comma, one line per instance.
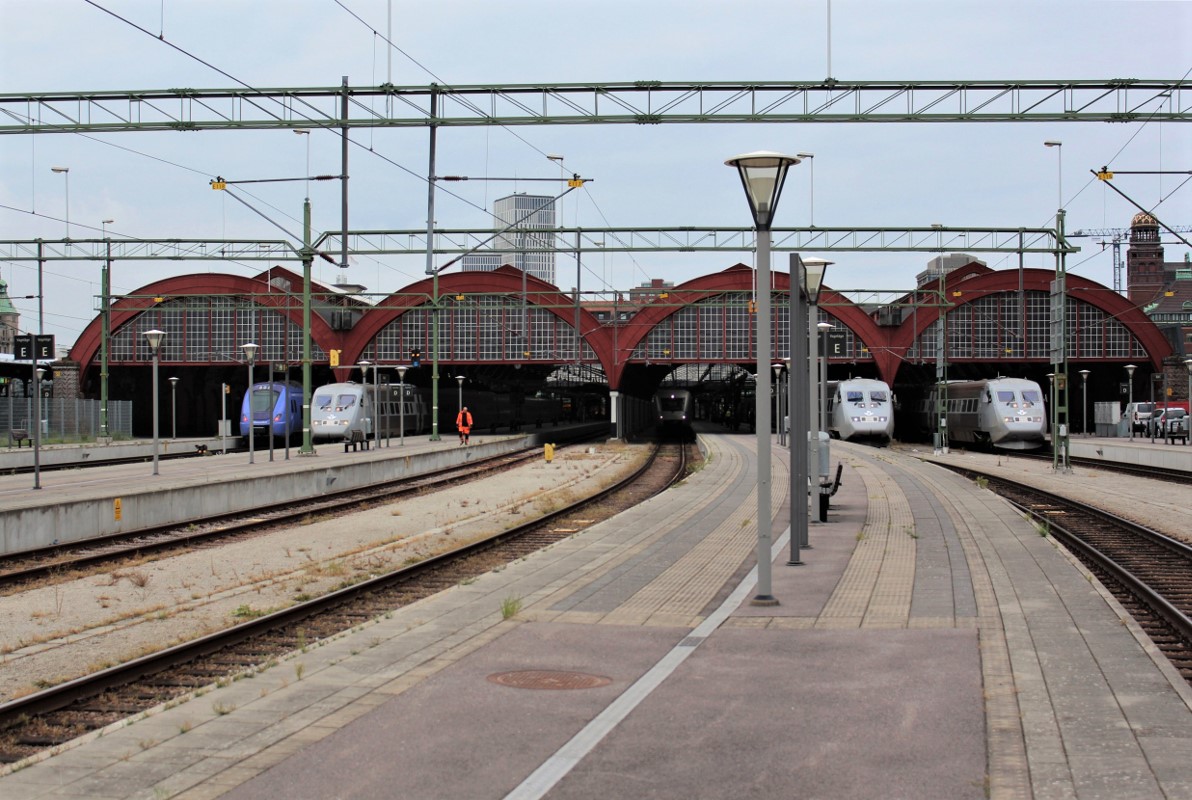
[777, 370]
[1188, 397]
[65, 172]
[104, 223]
[250, 352]
[173, 408]
[154, 338]
[1130, 403]
[810, 159]
[1155, 378]
[1084, 401]
[38, 372]
[1059, 169]
[814, 278]
[762, 175]
[823, 328]
[401, 403]
[459, 379]
[370, 420]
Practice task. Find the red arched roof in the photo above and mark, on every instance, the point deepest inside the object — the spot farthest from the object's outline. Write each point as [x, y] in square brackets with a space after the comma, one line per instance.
[739, 278]
[505, 280]
[1038, 280]
[86, 348]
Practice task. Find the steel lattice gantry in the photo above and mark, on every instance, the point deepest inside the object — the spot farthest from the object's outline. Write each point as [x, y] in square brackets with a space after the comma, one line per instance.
[634, 103]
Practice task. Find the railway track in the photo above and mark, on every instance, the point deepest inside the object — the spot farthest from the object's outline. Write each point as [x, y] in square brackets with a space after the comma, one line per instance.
[1150, 574]
[57, 715]
[1137, 470]
[61, 561]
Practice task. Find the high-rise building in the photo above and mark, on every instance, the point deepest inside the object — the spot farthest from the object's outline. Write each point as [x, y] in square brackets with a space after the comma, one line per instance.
[528, 245]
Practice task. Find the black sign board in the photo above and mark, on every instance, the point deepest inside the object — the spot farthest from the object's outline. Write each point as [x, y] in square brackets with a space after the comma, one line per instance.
[836, 344]
[27, 346]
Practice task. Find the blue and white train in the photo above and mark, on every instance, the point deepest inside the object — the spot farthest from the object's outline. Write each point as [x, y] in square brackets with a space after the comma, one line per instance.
[1005, 413]
[339, 408]
[275, 408]
[860, 409]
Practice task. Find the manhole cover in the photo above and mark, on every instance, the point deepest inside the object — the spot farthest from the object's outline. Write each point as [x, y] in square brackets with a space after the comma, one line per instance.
[549, 679]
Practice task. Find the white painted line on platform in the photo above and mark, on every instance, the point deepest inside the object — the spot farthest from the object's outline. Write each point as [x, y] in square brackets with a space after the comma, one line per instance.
[555, 768]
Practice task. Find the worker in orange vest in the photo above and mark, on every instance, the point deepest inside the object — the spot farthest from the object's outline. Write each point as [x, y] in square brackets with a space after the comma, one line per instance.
[463, 421]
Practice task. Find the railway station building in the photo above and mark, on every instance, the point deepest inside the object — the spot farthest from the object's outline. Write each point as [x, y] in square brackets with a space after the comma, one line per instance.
[508, 331]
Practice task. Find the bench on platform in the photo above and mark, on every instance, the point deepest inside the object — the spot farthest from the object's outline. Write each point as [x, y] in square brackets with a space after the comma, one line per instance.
[19, 435]
[354, 439]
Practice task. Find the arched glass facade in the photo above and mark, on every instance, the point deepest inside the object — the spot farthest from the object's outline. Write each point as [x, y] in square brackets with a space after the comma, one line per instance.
[991, 328]
[204, 330]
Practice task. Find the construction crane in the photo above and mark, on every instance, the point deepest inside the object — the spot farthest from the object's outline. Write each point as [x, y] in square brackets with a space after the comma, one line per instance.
[1118, 235]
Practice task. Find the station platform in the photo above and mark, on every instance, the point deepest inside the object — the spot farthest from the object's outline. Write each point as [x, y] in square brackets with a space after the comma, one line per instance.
[932, 645]
[1139, 451]
[71, 505]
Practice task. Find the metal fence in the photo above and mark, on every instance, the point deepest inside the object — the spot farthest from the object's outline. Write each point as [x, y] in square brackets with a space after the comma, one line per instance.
[64, 419]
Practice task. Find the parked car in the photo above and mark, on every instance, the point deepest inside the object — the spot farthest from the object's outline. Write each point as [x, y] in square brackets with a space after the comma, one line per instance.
[1169, 423]
[1139, 415]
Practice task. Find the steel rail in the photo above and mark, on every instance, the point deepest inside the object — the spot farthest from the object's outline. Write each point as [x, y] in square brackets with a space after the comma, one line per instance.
[59, 697]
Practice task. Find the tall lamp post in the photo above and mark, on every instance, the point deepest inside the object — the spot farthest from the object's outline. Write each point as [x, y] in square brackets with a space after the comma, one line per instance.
[1130, 403]
[459, 379]
[815, 268]
[364, 365]
[401, 403]
[250, 353]
[154, 338]
[1188, 422]
[777, 370]
[1155, 378]
[173, 408]
[762, 174]
[823, 328]
[810, 159]
[1059, 169]
[1084, 401]
[38, 372]
[65, 172]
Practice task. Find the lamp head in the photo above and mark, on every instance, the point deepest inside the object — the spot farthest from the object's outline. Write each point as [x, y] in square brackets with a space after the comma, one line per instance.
[401, 371]
[250, 350]
[1053, 143]
[460, 378]
[174, 381]
[813, 277]
[762, 174]
[154, 338]
[60, 170]
[1130, 369]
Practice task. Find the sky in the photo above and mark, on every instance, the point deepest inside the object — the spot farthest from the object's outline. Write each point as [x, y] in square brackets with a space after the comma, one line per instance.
[155, 185]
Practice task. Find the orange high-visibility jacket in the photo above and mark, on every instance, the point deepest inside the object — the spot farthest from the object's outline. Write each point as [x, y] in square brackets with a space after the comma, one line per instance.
[463, 421]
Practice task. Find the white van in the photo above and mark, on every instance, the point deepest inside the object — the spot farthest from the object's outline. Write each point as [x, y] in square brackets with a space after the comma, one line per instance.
[1139, 415]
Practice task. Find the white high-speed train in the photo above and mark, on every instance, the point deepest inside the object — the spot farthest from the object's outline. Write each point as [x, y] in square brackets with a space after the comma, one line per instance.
[1002, 412]
[339, 408]
[860, 409]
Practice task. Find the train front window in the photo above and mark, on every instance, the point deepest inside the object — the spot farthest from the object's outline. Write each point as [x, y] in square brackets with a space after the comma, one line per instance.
[855, 397]
[672, 403]
[322, 401]
[1031, 398]
[1006, 398]
[263, 400]
[877, 397]
[345, 401]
